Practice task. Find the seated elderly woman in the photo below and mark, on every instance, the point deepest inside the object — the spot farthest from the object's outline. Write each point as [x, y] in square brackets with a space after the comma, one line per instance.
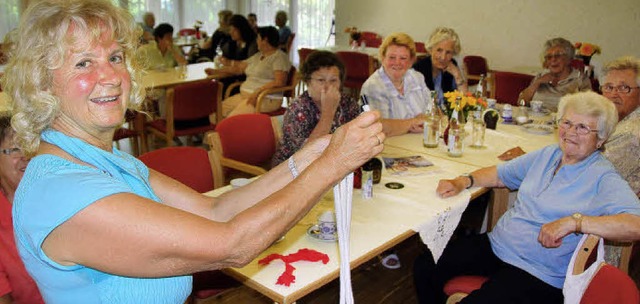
[153, 231]
[440, 70]
[396, 90]
[266, 69]
[559, 78]
[321, 109]
[15, 283]
[564, 190]
[622, 87]
[219, 37]
[163, 53]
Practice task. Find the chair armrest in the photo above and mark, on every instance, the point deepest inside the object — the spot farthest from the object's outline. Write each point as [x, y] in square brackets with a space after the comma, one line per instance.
[266, 92]
[232, 86]
[234, 164]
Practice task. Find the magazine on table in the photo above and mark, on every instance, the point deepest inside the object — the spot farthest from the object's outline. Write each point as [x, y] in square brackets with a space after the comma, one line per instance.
[407, 165]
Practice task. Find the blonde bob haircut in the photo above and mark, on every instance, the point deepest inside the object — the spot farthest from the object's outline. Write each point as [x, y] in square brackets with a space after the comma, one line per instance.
[399, 39]
[593, 105]
[623, 64]
[443, 34]
[48, 30]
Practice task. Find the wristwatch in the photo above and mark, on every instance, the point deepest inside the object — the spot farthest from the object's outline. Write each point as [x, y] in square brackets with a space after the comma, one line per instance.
[578, 218]
[470, 177]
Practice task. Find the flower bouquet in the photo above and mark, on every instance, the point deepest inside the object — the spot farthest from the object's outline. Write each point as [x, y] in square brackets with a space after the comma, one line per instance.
[586, 50]
[354, 34]
[468, 103]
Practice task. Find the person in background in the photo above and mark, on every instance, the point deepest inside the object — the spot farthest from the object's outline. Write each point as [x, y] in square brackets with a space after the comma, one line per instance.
[395, 89]
[559, 78]
[16, 286]
[220, 36]
[163, 53]
[564, 190]
[283, 30]
[148, 22]
[153, 231]
[253, 21]
[622, 87]
[441, 72]
[321, 109]
[267, 69]
[243, 40]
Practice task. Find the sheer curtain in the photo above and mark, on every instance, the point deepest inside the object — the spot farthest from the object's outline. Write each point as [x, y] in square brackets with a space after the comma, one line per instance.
[9, 16]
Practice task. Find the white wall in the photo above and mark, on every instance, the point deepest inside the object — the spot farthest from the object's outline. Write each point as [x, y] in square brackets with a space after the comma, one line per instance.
[509, 33]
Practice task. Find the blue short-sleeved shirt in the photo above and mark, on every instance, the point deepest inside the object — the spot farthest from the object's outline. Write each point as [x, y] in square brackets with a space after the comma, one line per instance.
[51, 192]
[591, 187]
[384, 97]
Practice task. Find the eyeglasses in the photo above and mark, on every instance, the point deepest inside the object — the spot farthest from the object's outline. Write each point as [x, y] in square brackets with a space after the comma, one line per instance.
[14, 152]
[581, 129]
[623, 88]
[554, 56]
[323, 81]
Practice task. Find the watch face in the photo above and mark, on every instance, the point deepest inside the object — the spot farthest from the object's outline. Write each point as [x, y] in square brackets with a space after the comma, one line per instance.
[576, 215]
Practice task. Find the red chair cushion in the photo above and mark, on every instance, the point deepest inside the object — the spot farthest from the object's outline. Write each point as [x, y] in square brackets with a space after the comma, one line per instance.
[195, 100]
[475, 65]
[508, 86]
[371, 39]
[420, 47]
[248, 138]
[161, 125]
[465, 284]
[610, 285]
[188, 165]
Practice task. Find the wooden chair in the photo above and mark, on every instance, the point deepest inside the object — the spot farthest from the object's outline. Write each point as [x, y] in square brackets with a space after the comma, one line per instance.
[245, 143]
[359, 67]
[459, 287]
[288, 92]
[133, 131]
[371, 39]
[188, 165]
[186, 104]
[475, 66]
[420, 47]
[303, 53]
[187, 32]
[506, 86]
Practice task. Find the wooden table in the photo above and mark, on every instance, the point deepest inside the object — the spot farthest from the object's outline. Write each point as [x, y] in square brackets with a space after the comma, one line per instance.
[159, 79]
[371, 51]
[389, 218]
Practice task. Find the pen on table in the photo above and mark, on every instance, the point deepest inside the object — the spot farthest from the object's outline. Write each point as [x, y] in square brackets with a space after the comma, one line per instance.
[365, 103]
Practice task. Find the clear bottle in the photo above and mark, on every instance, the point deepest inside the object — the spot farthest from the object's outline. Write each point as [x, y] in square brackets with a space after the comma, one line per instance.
[454, 136]
[480, 87]
[218, 59]
[367, 180]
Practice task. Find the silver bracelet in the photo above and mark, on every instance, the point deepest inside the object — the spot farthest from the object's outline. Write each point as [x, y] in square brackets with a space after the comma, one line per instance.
[292, 167]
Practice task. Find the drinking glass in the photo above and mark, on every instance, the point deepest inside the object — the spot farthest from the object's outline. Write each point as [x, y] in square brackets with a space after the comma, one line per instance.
[477, 134]
[456, 145]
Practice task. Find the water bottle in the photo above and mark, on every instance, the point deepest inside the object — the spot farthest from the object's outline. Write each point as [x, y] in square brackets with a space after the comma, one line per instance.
[217, 59]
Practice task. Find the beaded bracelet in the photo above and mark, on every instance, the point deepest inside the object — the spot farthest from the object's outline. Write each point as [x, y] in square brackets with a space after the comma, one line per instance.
[293, 168]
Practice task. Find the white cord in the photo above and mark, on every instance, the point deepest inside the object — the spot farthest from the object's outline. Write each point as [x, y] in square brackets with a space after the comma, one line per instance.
[343, 195]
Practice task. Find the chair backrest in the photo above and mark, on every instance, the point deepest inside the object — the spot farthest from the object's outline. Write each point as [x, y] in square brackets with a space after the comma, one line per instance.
[196, 100]
[188, 165]
[420, 47]
[248, 138]
[303, 53]
[187, 32]
[371, 39]
[508, 85]
[291, 82]
[609, 285]
[359, 66]
[476, 66]
[577, 64]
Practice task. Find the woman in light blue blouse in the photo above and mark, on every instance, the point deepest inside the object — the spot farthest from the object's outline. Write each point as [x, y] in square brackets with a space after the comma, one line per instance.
[564, 190]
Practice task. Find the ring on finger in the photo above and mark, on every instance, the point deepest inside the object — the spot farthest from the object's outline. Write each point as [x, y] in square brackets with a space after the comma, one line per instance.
[378, 138]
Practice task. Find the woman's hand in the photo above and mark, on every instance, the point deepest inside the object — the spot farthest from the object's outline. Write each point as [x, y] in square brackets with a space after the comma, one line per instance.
[417, 124]
[551, 234]
[329, 100]
[355, 142]
[450, 187]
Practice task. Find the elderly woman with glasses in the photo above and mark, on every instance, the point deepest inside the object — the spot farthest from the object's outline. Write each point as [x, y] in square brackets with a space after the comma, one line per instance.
[321, 109]
[559, 78]
[395, 89]
[564, 190]
[15, 283]
[622, 87]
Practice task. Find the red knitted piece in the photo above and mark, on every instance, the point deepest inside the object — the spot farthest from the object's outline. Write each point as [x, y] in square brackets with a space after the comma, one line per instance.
[304, 254]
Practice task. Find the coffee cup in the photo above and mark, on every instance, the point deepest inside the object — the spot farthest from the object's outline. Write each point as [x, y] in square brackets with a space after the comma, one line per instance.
[491, 103]
[536, 106]
[327, 225]
[239, 182]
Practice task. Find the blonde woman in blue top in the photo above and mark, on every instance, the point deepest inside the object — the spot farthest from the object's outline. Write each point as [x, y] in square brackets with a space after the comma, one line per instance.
[93, 224]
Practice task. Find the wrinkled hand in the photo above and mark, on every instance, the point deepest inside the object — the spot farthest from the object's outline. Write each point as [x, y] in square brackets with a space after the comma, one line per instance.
[449, 187]
[551, 234]
[511, 154]
[546, 78]
[453, 70]
[417, 123]
[329, 100]
[356, 142]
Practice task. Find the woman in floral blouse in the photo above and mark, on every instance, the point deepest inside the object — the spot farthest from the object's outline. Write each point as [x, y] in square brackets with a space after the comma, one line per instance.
[321, 109]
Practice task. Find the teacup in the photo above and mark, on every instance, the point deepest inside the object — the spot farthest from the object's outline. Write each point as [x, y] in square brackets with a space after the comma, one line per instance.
[536, 106]
[491, 103]
[327, 226]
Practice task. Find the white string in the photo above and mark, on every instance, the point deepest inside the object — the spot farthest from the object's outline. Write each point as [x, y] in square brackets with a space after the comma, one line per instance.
[343, 195]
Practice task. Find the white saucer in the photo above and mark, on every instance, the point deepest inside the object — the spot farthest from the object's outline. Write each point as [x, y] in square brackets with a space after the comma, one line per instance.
[544, 112]
[314, 233]
[538, 129]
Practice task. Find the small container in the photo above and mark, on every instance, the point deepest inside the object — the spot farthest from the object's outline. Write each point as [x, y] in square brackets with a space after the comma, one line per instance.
[456, 145]
[367, 184]
[507, 113]
[477, 134]
[431, 131]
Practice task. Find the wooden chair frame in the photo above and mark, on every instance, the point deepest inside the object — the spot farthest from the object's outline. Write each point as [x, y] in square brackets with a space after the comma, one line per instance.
[290, 87]
[216, 154]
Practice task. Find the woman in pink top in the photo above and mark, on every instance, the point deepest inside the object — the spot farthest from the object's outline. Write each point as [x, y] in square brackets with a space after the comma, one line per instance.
[16, 286]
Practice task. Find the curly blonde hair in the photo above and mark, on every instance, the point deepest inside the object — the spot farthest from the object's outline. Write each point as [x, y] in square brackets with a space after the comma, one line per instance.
[399, 39]
[48, 30]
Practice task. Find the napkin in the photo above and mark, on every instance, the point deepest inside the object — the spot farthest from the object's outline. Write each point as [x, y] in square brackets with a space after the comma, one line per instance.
[511, 154]
[304, 254]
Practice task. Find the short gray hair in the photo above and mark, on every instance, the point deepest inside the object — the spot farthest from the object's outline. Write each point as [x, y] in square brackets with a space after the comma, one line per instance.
[624, 63]
[565, 44]
[594, 105]
[441, 34]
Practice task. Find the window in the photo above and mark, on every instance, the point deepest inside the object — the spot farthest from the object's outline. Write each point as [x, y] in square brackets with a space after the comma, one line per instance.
[9, 16]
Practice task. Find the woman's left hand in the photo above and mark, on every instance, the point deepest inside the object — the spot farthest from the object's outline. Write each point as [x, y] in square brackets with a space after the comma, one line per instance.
[551, 234]
[454, 70]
